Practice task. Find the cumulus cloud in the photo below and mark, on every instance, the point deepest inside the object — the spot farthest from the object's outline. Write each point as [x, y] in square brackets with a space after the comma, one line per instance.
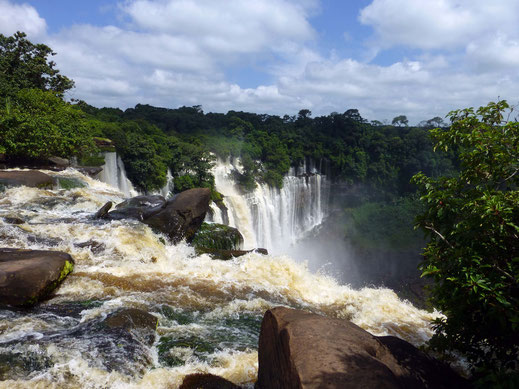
[179, 52]
[20, 17]
[439, 24]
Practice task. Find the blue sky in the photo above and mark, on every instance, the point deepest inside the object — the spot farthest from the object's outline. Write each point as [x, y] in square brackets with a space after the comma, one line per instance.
[383, 57]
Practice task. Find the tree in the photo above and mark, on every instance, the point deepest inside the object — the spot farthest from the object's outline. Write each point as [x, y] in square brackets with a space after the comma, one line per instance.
[400, 121]
[432, 123]
[472, 220]
[354, 114]
[38, 124]
[24, 65]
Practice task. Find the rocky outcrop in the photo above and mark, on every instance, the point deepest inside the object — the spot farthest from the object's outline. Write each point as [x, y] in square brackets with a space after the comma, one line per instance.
[28, 276]
[134, 320]
[228, 254]
[32, 178]
[206, 381]
[103, 211]
[179, 218]
[298, 349]
[217, 236]
[183, 215]
[139, 208]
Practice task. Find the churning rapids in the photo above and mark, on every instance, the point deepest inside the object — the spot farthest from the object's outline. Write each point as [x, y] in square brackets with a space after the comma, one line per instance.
[209, 311]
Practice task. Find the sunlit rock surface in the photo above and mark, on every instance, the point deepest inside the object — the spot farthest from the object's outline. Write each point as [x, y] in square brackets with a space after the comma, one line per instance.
[298, 349]
[28, 276]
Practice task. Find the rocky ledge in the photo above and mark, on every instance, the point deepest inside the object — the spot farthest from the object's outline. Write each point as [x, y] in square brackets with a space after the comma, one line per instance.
[300, 350]
[32, 178]
[28, 276]
[179, 218]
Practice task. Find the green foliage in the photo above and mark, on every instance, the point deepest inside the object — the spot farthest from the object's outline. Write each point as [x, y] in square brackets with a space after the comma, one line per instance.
[473, 223]
[37, 124]
[185, 182]
[24, 65]
[217, 236]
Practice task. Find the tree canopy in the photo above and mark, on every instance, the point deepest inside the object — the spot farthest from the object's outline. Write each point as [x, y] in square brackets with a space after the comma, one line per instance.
[25, 65]
[472, 219]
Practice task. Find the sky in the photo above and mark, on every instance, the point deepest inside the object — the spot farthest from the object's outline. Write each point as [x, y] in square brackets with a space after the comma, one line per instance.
[419, 58]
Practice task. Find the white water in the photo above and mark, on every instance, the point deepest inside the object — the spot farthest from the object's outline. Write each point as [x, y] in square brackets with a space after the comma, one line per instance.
[114, 174]
[168, 187]
[218, 304]
[269, 217]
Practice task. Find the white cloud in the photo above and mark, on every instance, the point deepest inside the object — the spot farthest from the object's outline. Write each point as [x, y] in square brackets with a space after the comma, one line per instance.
[178, 52]
[234, 26]
[439, 24]
[20, 17]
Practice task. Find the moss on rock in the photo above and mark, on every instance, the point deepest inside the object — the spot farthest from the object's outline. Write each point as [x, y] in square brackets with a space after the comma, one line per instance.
[217, 236]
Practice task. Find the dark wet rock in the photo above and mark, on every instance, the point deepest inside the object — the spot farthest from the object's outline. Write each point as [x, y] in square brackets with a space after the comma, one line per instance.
[22, 365]
[134, 320]
[178, 218]
[28, 276]
[32, 178]
[103, 210]
[43, 241]
[94, 246]
[91, 171]
[182, 215]
[298, 349]
[206, 381]
[13, 220]
[217, 236]
[228, 254]
[58, 161]
[138, 208]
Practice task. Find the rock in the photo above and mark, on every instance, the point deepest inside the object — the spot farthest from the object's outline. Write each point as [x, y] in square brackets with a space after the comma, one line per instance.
[28, 276]
[13, 220]
[206, 381]
[182, 215]
[103, 142]
[179, 217]
[228, 254]
[94, 246]
[91, 171]
[134, 320]
[58, 161]
[103, 210]
[139, 208]
[217, 236]
[298, 349]
[32, 178]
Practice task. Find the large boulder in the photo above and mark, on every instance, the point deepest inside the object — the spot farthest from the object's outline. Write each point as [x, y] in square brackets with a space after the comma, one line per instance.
[32, 178]
[298, 349]
[217, 236]
[28, 276]
[139, 207]
[179, 218]
[182, 215]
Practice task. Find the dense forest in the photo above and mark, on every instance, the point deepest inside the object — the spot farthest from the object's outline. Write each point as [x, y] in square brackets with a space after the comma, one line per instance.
[468, 192]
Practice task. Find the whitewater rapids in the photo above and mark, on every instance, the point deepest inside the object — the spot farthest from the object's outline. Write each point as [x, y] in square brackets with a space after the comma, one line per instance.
[214, 307]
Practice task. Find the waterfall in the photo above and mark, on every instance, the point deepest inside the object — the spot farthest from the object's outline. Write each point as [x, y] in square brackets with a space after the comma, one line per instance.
[166, 189]
[114, 174]
[270, 217]
[123, 264]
